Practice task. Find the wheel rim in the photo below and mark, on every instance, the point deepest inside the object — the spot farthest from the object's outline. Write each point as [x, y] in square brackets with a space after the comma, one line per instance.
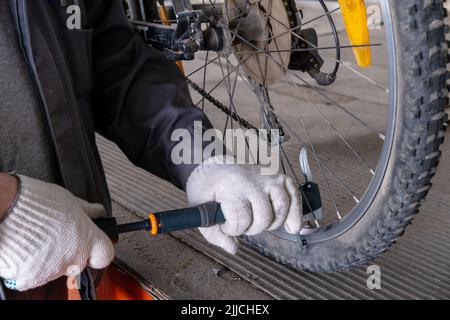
[348, 218]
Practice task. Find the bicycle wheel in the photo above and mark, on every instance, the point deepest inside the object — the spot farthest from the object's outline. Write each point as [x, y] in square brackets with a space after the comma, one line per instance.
[372, 136]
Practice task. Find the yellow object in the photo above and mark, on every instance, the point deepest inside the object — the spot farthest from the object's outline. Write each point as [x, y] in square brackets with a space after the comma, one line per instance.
[355, 19]
[154, 224]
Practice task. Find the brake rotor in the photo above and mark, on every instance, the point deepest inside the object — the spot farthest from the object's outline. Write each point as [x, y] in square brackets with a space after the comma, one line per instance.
[260, 28]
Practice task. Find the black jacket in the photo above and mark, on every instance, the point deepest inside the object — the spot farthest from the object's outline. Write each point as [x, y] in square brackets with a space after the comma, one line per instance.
[103, 78]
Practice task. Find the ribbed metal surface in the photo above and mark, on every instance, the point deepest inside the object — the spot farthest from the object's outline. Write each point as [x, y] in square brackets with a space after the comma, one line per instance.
[417, 267]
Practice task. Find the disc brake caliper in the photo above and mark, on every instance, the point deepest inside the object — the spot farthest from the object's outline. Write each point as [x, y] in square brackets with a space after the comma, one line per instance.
[304, 55]
[305, 58]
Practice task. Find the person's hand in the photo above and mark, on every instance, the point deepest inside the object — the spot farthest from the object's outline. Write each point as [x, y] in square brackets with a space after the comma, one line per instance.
[48, 234]
[251, 203]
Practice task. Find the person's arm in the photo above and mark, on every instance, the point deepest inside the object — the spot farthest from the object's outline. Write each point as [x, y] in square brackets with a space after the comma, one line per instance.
[140, 98]
[8, 192]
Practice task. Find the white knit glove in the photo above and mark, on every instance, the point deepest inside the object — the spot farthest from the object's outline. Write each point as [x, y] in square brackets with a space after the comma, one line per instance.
[49, 234]
[251, 203]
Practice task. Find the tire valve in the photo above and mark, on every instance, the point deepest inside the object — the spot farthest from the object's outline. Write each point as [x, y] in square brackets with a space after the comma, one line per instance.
[312, 201]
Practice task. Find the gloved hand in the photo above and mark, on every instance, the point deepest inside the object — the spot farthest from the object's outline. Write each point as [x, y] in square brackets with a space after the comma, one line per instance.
[251, 203]
[49, 234]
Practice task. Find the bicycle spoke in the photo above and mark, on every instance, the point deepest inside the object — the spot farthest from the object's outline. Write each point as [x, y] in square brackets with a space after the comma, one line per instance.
[232, 108]
[267, 105]
[221, 81]
[309, 49]
[229, 97]
[303, 24]
[338, 133]
[229, 72]
[200, 68]
[316, 157]
[321, 16]
[204, 80]
[380, 135]
[338, 178]
[323, 164]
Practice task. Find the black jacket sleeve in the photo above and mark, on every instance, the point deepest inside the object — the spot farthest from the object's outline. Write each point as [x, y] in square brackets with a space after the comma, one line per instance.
[139, 96]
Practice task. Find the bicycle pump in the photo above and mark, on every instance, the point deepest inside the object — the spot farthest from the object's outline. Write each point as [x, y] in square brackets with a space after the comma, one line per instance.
[205, 215]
